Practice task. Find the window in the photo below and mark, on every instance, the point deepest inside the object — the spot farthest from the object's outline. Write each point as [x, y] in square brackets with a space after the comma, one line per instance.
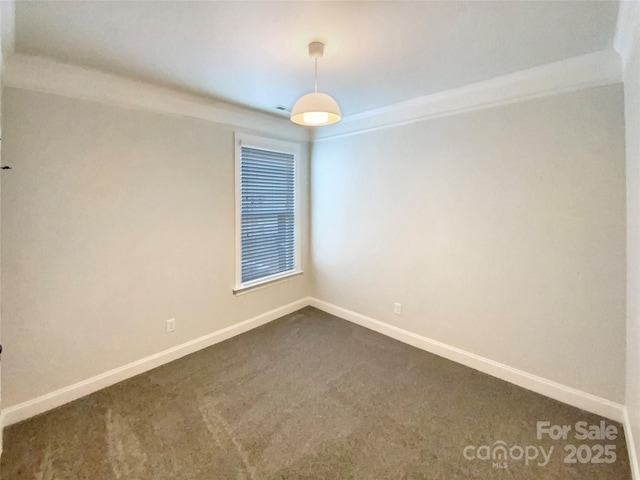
[266, 211]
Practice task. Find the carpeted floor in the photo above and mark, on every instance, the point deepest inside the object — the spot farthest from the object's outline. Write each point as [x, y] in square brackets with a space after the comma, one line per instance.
[308, 396]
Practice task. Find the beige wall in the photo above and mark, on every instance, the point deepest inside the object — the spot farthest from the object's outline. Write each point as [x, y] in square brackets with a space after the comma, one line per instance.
[632, 118]
[501, 232]
[114, 221]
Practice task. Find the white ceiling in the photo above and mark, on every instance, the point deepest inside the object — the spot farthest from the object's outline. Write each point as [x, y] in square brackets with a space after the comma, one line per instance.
[255, 53]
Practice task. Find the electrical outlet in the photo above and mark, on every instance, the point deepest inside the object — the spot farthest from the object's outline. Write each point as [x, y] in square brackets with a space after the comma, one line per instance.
[171, 325]
[397, 308]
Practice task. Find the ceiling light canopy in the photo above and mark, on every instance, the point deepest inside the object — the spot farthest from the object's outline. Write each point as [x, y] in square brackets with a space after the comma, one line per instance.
[316, 109]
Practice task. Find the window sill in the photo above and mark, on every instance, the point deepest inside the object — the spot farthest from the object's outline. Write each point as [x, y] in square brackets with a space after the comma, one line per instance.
[266, 283]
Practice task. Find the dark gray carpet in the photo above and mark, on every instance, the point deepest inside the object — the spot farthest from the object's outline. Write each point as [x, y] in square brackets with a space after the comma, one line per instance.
[308, 396]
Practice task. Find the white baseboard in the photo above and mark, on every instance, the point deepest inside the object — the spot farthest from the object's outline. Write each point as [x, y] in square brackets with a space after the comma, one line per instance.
[30, 408]
[631, 446]
[543, 386]
[557, 391]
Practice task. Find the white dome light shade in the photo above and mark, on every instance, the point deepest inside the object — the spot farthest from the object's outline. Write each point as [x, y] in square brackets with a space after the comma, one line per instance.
[315, 109]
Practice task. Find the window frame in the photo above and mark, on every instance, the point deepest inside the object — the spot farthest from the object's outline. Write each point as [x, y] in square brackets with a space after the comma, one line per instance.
[265, 143]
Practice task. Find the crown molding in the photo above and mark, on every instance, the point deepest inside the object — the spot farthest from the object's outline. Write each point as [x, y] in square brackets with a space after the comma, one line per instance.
[592, 70]
[45, 75]
[49, 76]
[627, 30]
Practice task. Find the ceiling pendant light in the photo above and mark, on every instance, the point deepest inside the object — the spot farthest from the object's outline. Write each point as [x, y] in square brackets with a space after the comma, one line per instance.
[316, 109]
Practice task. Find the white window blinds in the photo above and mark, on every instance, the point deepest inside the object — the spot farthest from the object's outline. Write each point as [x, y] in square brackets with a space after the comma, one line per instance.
[267, 207]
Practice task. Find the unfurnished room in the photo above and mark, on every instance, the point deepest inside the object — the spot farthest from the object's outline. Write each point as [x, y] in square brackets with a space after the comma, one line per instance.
[260, 240]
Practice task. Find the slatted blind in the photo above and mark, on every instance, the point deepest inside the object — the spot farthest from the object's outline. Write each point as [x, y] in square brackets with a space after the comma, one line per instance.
[267, 191]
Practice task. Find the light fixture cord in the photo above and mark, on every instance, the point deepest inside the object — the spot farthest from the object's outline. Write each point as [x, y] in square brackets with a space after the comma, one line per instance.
[316, 82]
